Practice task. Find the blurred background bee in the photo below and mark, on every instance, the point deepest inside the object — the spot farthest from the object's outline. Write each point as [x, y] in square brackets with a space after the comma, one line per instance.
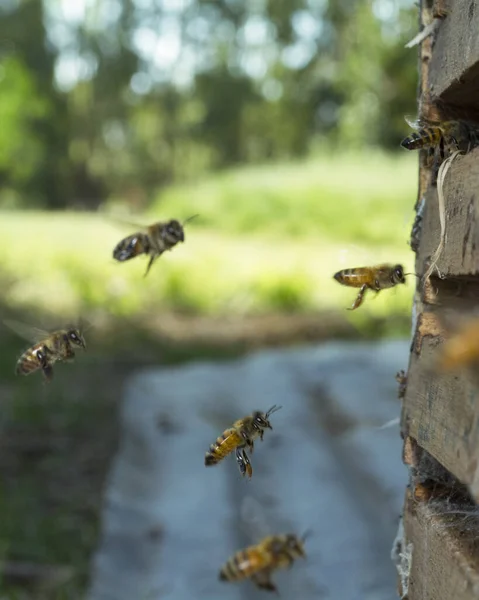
[441, 137]
[153, 241]
[461, 348]
[375, 278]
[259, 561]
[48, 348]
[239, 437]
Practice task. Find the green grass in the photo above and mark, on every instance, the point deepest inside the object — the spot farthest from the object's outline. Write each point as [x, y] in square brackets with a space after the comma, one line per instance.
[268, 239]
[355, 198]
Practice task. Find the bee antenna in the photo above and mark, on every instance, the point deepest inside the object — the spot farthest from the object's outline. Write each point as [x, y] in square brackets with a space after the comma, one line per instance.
[84, 325]
[415, 275]
[308, 533]
[190, 219]
[273, 409]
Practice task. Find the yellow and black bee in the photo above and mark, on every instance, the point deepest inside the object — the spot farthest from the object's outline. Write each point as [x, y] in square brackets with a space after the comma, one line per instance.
[258, 562]
[444, 136]
[153, 241]
[375, 278]
[461, 348]
[49, 348]
[239, 437]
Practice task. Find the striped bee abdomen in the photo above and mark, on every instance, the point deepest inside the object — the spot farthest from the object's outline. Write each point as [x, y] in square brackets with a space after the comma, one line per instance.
[30, 361]
[132, 246]
[350, 277]
[243, 564]
[224, 445]
[424, 138]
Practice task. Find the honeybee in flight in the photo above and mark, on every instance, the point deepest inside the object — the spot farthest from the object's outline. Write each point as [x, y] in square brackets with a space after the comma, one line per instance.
[257, 562]
[153, 241]
[239, 437]
[445, 136]
[462, 348]
[375, 278]
[48, 348]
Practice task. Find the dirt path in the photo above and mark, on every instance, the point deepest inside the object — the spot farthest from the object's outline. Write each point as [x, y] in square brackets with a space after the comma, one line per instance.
[169, 523]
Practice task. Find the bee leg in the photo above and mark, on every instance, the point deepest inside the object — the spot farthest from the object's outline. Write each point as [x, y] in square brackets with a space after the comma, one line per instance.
[248, 441]
[430, 156]
[47, 373]
[150, 262]
[442, 152]
[243, 462]
[359, 298]
[249, 468]
[70, 356]
[263, 582]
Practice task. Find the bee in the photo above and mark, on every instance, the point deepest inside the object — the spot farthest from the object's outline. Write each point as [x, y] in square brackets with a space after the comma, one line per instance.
[445, 136]
[153, 241]
[462, 348]
[401, 378]
[258, 562]
[48, 348]
[239, 437]
[375, 278]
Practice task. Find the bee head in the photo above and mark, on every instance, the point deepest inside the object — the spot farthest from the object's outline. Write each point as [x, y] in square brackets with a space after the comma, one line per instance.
[174, 232]
[295, 546]
[398, 274]
[261, 420]
[75, 337]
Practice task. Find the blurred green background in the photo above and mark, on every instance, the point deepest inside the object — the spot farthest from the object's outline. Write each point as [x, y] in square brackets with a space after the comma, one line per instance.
[278, 122]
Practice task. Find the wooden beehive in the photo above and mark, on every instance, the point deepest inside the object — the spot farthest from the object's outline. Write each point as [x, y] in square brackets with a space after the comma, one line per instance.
[438, 553]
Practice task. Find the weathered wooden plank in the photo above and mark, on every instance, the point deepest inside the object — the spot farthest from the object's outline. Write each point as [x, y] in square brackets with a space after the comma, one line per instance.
[454, 67]
[441, 412]
[460, 256]
[444, 561]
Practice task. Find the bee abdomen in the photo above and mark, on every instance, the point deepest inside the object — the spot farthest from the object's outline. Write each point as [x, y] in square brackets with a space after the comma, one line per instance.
[350, 277]
[27, 363]
[223, 446]
[131, 246]
[236, 568]
[211, 458]
[340, 275]
[422, 139]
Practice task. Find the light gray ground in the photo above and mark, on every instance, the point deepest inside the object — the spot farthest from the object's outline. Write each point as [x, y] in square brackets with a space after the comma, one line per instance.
[170, 523]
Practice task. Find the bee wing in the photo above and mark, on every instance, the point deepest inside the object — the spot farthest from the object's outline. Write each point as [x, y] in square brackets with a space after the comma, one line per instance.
[80, 323]
[126, 223]
[27, 332]
[354, 256]
[414, 122]
[253, 519]
[351, 256]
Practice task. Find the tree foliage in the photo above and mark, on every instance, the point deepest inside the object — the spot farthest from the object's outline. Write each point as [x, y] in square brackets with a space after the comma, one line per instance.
[124, 96]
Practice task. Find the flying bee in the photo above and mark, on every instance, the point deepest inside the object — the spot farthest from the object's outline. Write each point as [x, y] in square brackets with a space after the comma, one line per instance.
[153, 241]
[462, 348]
[48, 348]
[239, 437]
[272, 552]
[442, 136]
[258, 562]
[375, 278]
